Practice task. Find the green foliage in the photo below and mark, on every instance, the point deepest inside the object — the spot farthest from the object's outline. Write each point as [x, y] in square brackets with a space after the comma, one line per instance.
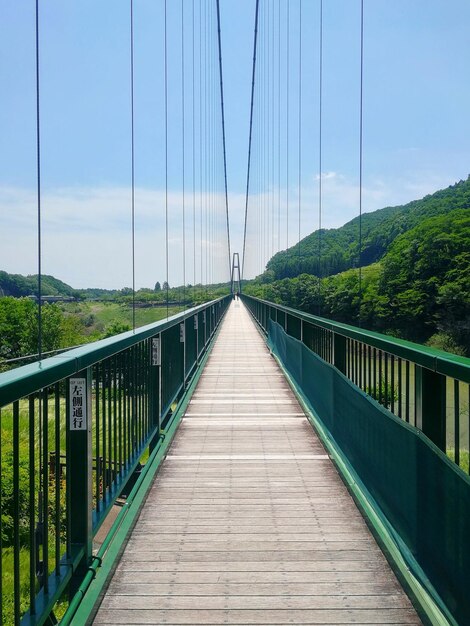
[443, 341]
[329, 252]
[19, 327]
[384, 390]
[68, 324]
[8, 596]
[464, 458]
[115, 328]
[8, 499]
[20, 286]
[426, 278]
[419, 290]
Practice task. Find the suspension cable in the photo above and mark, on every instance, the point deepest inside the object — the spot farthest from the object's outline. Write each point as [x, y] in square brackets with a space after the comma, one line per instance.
[287, 123]
[300, 122]
[132, 162]
[279, 130]
[39, 341]
[183, 150]
[223, 134]
[360, 157]
[253, 76]
[166, 163]
[194, 153]
[206, 139]
[201, 145]
[273, 134]
[320, 153]
[38, 173]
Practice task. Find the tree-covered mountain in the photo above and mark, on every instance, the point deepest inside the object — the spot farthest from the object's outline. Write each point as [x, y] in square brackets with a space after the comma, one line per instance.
[20, 286]
[418, 290]
[328, 252]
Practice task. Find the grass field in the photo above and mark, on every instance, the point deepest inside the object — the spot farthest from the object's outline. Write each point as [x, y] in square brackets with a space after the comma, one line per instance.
[97, 317]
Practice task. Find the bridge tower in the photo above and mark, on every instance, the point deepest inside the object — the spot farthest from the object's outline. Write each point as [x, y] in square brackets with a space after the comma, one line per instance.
[233, 280]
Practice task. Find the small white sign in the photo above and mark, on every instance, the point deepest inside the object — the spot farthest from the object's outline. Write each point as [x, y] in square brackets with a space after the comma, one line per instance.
[196, 322]
[78, 404]
[182, 332]
[156, 352]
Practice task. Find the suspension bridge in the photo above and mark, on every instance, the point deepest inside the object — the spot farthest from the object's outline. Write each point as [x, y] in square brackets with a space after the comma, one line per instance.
[240, 462]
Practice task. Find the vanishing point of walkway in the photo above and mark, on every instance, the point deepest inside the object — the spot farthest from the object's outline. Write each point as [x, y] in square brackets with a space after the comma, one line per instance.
[247, 521]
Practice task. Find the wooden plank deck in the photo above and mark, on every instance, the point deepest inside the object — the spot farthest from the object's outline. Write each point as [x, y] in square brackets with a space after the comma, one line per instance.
[248, 521]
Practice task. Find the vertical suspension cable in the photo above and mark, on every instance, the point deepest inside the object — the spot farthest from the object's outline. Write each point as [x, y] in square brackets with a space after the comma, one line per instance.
[263, 103]
[223, 134]
[194, 154]
[206, 141]
[207, 162]
[253, 75]
[201, 145]
[287, 123]
[360, 157]
[268, 134]
[183, 150]
[300, 123]
[320, 154]
[279, 130]
[38, 175]
[166, 165]
[132, 162]
[273, 134]
[266, 137]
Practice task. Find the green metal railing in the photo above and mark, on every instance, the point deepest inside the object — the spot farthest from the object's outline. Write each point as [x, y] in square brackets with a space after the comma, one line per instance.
[74, 428]
[394, 417]
[425, 387]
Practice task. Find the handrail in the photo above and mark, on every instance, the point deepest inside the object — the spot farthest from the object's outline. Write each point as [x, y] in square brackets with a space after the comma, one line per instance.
[101, 406]
[423, 386]
[433, 359]
[30, 378]
[397, 432]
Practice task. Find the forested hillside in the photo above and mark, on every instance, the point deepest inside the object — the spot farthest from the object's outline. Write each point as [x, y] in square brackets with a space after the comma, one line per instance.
[93, 314]
[328, 252]
[19, 286]
[419, 290]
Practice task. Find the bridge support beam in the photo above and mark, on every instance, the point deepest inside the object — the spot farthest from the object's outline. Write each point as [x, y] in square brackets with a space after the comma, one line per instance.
[431, 405]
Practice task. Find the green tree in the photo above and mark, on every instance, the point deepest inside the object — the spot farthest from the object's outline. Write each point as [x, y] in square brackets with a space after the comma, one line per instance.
[19, 327]
[116, 328]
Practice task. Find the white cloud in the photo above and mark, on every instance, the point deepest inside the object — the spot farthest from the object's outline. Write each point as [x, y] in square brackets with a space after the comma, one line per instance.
[86, 235]
[86, 232]
[340, 204]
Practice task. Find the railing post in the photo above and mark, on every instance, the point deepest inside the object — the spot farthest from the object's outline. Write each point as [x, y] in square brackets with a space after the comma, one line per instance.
[339, 352]
[430, 389]
[196, 328]
[156, 361]
[79, 470]
[183, 341]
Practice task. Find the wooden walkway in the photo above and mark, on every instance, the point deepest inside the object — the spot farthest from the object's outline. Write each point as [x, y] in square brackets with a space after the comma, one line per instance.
[247, 521]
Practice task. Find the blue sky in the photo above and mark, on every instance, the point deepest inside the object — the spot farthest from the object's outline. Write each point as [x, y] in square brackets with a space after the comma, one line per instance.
[416, 123]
